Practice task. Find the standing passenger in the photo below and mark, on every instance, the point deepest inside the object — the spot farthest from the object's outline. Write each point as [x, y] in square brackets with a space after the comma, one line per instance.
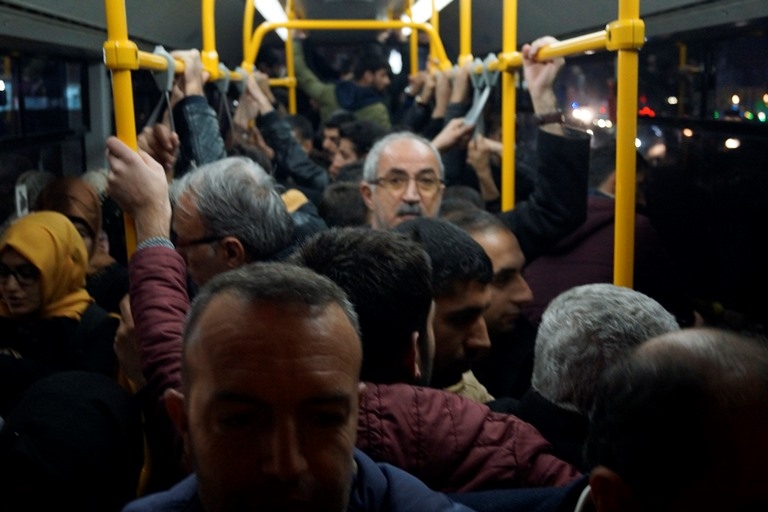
[271, 391]
[49, 322]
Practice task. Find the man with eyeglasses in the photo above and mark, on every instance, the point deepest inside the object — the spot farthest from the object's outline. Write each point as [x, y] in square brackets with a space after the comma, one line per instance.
[403, 179]
[404, 174]
[226, 214]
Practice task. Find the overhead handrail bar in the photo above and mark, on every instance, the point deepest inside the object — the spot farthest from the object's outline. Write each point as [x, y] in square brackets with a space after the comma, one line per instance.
[258, 35]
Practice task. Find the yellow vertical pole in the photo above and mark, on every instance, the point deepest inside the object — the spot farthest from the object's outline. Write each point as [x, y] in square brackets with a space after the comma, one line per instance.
[465, 31]
[414, 40]
[290, 67]
[508, 107]
[250, 9]
[626, 132]
[209, 55]
[435, 21]
[121, 56]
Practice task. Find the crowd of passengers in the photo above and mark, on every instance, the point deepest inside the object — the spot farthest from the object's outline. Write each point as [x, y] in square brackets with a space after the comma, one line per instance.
[350, 322]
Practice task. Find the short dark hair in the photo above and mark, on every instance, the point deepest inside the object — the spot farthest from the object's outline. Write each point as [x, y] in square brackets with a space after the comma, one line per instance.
[342, 205]
[661, 413]
[387, 278]
[337, 118]
[456, 258]
[276, 282]
[351, 172]
[369, 61]
[301, 124]
[474, 220]
[363, 134]
[463, 193]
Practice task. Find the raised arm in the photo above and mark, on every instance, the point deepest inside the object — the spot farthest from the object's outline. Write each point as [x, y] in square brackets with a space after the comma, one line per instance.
[196, 122]
[290, 158]
[558, 204]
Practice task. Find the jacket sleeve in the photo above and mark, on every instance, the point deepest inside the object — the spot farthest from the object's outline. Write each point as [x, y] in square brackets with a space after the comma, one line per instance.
[323, 93]
[454, 444]
[455, 158]
[377, 113]
[159, 303]
[290, 158]
[199, 133]
[558, 204]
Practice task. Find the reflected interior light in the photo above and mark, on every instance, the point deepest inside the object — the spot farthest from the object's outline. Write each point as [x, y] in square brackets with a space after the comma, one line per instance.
[608, 123]
[271, 10]
[2, 85]
[765, 98]
[672, 100]
[761, 117]
[583, 114]
[421, 11]
[687, 132]
[638, 143]
[590, 132]
[657, 151]
[732, 143]
[395, 61]
[735, 99]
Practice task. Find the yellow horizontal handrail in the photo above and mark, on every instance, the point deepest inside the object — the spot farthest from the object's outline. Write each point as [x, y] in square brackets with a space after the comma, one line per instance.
[154, 62]
[258, 35]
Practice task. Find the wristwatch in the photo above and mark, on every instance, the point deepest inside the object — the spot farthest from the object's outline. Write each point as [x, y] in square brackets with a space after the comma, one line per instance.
[549, 118]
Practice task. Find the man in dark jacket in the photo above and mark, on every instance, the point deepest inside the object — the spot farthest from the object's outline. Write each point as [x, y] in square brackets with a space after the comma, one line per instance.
[586, 255]
[269, 411]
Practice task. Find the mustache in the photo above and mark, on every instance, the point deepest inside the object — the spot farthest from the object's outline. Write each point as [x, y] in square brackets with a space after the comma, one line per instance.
[409, 209]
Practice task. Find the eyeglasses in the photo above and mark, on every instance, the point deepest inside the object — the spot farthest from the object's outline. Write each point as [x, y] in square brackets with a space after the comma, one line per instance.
[427, 183]
[25, 275]
[183, 244]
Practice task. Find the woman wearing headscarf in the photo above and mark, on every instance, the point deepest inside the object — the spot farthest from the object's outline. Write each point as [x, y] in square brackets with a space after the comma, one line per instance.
[48, 321]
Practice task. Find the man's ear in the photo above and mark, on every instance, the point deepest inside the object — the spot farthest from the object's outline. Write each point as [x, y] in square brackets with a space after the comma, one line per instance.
[412, 361]
[362, 389]
[367, 192]
[234, 252]
[610, 492]
[174, 405]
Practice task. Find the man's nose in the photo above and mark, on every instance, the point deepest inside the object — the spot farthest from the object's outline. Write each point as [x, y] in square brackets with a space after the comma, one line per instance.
[477, 342]
[521, 294]
[284, 458]
[411, 194]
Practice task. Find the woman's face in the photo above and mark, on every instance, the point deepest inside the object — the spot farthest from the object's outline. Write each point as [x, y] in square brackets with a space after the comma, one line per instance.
[19, 284]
